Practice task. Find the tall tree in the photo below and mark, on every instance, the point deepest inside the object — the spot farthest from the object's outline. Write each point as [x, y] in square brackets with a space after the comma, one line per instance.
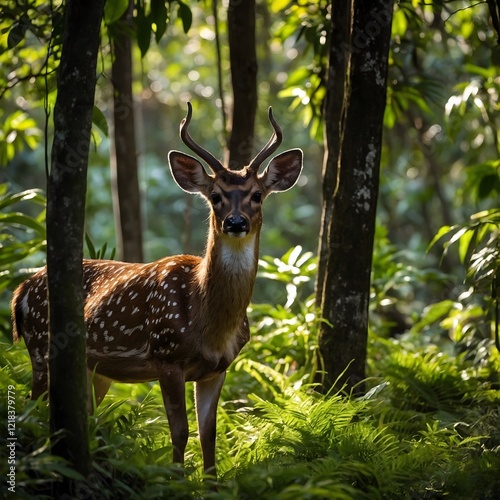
[334, 108]
[353, 184]
[243, 59]
[66, 191]
[124, 167]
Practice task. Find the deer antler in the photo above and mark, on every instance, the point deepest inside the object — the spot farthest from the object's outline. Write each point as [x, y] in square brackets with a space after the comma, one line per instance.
[271, 146]
[212, 162]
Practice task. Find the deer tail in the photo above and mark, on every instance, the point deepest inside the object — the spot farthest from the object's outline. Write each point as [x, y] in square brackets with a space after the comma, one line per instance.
[17, 314]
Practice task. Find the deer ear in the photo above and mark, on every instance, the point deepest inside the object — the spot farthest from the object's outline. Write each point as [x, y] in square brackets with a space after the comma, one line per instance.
[188, 172]
[283, 171]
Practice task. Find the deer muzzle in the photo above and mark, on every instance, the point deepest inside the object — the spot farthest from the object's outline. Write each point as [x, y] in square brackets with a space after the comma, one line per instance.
[236, 226]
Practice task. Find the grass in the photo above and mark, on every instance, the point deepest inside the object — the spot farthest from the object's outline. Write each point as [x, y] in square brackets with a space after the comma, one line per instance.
[429, 429]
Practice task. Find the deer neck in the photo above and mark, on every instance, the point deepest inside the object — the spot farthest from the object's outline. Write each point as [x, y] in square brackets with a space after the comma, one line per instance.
[226, 277]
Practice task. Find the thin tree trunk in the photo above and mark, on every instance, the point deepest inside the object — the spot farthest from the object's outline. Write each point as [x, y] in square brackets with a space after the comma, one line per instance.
[124, 169]
[66, 189]
[243, 58]
[346, 290]
[333, 111]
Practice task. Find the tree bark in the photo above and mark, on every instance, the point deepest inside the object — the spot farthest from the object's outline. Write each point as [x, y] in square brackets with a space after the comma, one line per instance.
[243, 58]
[333, 112]
[124, 168]
[351, 228]
[66, 189]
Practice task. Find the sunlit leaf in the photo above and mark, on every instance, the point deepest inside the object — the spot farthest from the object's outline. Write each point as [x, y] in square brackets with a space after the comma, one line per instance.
[22, 220]
[279, 5]
[443, 231]
[465, 241]
[480, 70]
[399, 23]
[30, 194]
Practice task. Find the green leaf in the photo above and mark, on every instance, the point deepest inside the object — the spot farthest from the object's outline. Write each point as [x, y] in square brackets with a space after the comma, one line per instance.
[99, 120]
[489, 184]
[443, 231]
[22, 220]
[389, 117]
[299, 77]
[159, 16]
[465, 243]
[143, 30]
[16, 35]
[31, 194]
[90, 246]
[399, 23]
[186, 16]
[114, 9]
[481, 71]
[279, 5]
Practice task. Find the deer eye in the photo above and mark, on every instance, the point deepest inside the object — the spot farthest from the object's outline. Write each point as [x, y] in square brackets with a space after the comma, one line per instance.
[216, 199]
[257, 197]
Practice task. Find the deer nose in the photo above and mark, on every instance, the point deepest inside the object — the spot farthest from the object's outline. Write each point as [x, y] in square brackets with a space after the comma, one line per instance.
[236, 225]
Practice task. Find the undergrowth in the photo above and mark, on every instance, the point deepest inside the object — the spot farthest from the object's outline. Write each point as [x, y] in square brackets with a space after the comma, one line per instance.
[428, 427]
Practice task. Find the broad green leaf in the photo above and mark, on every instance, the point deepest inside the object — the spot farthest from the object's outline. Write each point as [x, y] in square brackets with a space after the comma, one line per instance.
[186, 16]
[279, 5]
[143, 30]
[489, 184]
[99, 120]
[16, 35]
[399, 23]
[114, 9]
[465, 242]
[159, 16]
[298, 77]
[389, 117]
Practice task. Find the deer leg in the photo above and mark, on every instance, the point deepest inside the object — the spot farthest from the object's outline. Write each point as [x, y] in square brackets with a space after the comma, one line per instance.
[40, 373]
[39, 384]
[207, 396]
[98, 386]
[173, 390]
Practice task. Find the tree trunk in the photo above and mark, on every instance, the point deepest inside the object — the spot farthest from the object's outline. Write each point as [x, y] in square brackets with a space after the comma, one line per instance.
[333, 111]
[351, 228]
[66, 189]
[124, 169]
[243, 58]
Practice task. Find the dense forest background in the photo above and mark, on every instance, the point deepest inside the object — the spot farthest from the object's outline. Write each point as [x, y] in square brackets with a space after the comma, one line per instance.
[427, 424]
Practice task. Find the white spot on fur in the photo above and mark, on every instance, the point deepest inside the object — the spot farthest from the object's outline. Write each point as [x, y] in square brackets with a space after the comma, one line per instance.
[129, 331]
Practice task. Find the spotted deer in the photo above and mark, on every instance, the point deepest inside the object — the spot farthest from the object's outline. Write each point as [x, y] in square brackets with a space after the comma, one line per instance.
[181, 318]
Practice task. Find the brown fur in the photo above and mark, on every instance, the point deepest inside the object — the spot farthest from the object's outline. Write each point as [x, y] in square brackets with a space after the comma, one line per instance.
[178, 319]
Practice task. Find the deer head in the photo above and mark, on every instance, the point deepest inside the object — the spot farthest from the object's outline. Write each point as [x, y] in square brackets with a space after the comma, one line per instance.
[235, 196]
